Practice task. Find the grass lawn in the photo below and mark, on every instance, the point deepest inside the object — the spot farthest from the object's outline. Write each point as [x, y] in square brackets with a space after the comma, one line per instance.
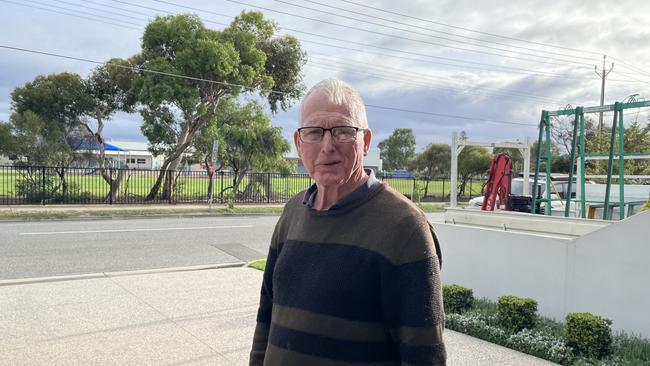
[260, 264]
[87, 186]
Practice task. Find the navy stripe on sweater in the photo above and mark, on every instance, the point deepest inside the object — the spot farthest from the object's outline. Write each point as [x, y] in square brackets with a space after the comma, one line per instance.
[422, 355]
[330, 348]
[347, 281]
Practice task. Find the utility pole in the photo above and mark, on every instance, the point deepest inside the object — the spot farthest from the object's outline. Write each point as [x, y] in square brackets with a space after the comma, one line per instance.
[602, 75]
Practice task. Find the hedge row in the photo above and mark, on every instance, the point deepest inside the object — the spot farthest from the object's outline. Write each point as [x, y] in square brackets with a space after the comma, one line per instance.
[586, 336]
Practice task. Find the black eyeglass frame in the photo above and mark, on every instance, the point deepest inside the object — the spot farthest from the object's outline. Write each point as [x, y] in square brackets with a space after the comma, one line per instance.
[323, 130]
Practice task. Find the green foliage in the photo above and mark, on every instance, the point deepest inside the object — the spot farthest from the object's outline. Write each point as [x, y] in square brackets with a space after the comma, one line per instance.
[555, 151]
[476, 326]
[434, 160]
[516, 313]
[546, 340]
[247, 141]
[36, 188]
[541, 344]
[646, 205]
[561, 163]
[515, 157]
[245, 53]
[631, 350]
[398, 149]
[456, 298]
[55, 115]
[589, 334]
[45, 127]
[472, 161]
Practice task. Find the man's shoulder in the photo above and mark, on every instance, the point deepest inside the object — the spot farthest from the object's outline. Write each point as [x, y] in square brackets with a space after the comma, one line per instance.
[293, 205]
[391, 202]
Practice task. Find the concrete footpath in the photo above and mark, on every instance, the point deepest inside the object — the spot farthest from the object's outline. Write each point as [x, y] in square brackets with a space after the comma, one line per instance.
[195, 317]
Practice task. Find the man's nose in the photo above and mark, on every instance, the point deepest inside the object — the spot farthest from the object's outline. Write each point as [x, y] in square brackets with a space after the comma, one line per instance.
[328, 140]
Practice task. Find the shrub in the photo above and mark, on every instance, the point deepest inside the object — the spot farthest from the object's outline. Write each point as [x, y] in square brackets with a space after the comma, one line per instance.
[516, 313]
[589, 334]
[456, 298]
[542, 345]
[633, 350]
[474, 325]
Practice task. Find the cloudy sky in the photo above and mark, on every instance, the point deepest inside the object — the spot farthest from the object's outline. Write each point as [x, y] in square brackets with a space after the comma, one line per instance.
[485, 67]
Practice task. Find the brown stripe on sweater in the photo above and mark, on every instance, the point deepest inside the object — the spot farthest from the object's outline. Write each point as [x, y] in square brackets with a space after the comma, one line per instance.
[423, 336]
[389, 234]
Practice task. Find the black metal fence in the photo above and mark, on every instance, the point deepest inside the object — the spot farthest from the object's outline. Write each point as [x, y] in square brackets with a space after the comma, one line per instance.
[56, 185]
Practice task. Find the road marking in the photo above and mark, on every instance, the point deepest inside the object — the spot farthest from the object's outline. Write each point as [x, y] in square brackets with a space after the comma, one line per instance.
[137, 230]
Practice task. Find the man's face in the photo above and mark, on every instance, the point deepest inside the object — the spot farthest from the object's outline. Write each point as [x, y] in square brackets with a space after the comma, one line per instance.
[331, 163]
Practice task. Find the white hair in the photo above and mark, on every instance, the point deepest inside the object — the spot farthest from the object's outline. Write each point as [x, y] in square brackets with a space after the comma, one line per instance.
[340, 93]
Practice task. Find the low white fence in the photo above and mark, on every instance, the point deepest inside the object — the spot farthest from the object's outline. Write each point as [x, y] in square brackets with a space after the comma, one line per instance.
[565, 264]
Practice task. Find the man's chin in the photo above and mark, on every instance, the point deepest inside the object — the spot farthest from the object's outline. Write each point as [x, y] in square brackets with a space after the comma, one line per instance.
[329, 180]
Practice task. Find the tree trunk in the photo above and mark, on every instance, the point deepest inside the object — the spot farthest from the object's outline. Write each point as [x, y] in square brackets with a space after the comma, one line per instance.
[239, 176]
[156, 187]
[171, 162]
[257, 185]
[168, 188]
[426, 189]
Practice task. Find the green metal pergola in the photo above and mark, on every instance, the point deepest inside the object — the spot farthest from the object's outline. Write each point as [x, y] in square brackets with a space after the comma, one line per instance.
[578, 143]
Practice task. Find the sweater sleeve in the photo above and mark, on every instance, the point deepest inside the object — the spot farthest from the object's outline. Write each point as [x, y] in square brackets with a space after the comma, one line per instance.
[412, 300]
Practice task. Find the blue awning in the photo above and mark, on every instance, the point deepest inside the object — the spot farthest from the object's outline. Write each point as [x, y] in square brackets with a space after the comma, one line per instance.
[95, 146]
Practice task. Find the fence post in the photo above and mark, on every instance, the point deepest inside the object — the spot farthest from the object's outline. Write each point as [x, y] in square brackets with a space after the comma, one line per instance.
[268, 188]
[221, 187]
[43, 186]
[110, 187]
[413, 191]
[443, 189]
[170, 176]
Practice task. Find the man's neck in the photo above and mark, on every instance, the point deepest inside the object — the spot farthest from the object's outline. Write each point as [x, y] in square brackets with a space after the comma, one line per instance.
[326, 197]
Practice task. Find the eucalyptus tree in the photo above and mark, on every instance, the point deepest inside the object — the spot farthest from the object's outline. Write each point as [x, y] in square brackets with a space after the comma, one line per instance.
[185, 70]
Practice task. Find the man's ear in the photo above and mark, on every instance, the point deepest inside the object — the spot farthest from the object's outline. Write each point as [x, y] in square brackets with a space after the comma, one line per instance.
[296, 141]
[367, 138]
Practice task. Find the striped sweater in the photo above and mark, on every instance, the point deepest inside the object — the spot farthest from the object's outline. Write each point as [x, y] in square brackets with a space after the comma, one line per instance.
[354, 286]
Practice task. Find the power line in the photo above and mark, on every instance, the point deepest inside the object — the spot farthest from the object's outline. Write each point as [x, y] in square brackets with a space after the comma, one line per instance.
[522, 71]
[117, 7]
[471, 30]
[133, 68]
[449, 115]
[403, 38]
[69, 14]
[83, 12]
[402, 81]
[401, 51]
[430, 78]
[446, 86]
[102, 10]
[540, 73]
[631, 67]
[528, 71]
[138, 69]
[419, 33]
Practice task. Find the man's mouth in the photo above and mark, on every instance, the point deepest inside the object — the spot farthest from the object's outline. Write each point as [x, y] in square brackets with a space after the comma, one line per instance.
[329, 163]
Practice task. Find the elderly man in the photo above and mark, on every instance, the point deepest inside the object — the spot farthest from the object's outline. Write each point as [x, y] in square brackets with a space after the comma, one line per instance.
[353, 272]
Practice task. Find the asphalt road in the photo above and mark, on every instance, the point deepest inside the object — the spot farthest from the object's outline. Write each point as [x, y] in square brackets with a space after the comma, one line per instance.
[56, 248]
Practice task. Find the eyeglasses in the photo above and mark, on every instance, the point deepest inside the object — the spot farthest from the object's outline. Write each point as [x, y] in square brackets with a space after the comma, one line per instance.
[314, 135]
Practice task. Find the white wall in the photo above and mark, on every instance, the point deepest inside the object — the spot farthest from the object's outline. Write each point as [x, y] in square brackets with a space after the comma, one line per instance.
[612, 274]
[606, 272]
